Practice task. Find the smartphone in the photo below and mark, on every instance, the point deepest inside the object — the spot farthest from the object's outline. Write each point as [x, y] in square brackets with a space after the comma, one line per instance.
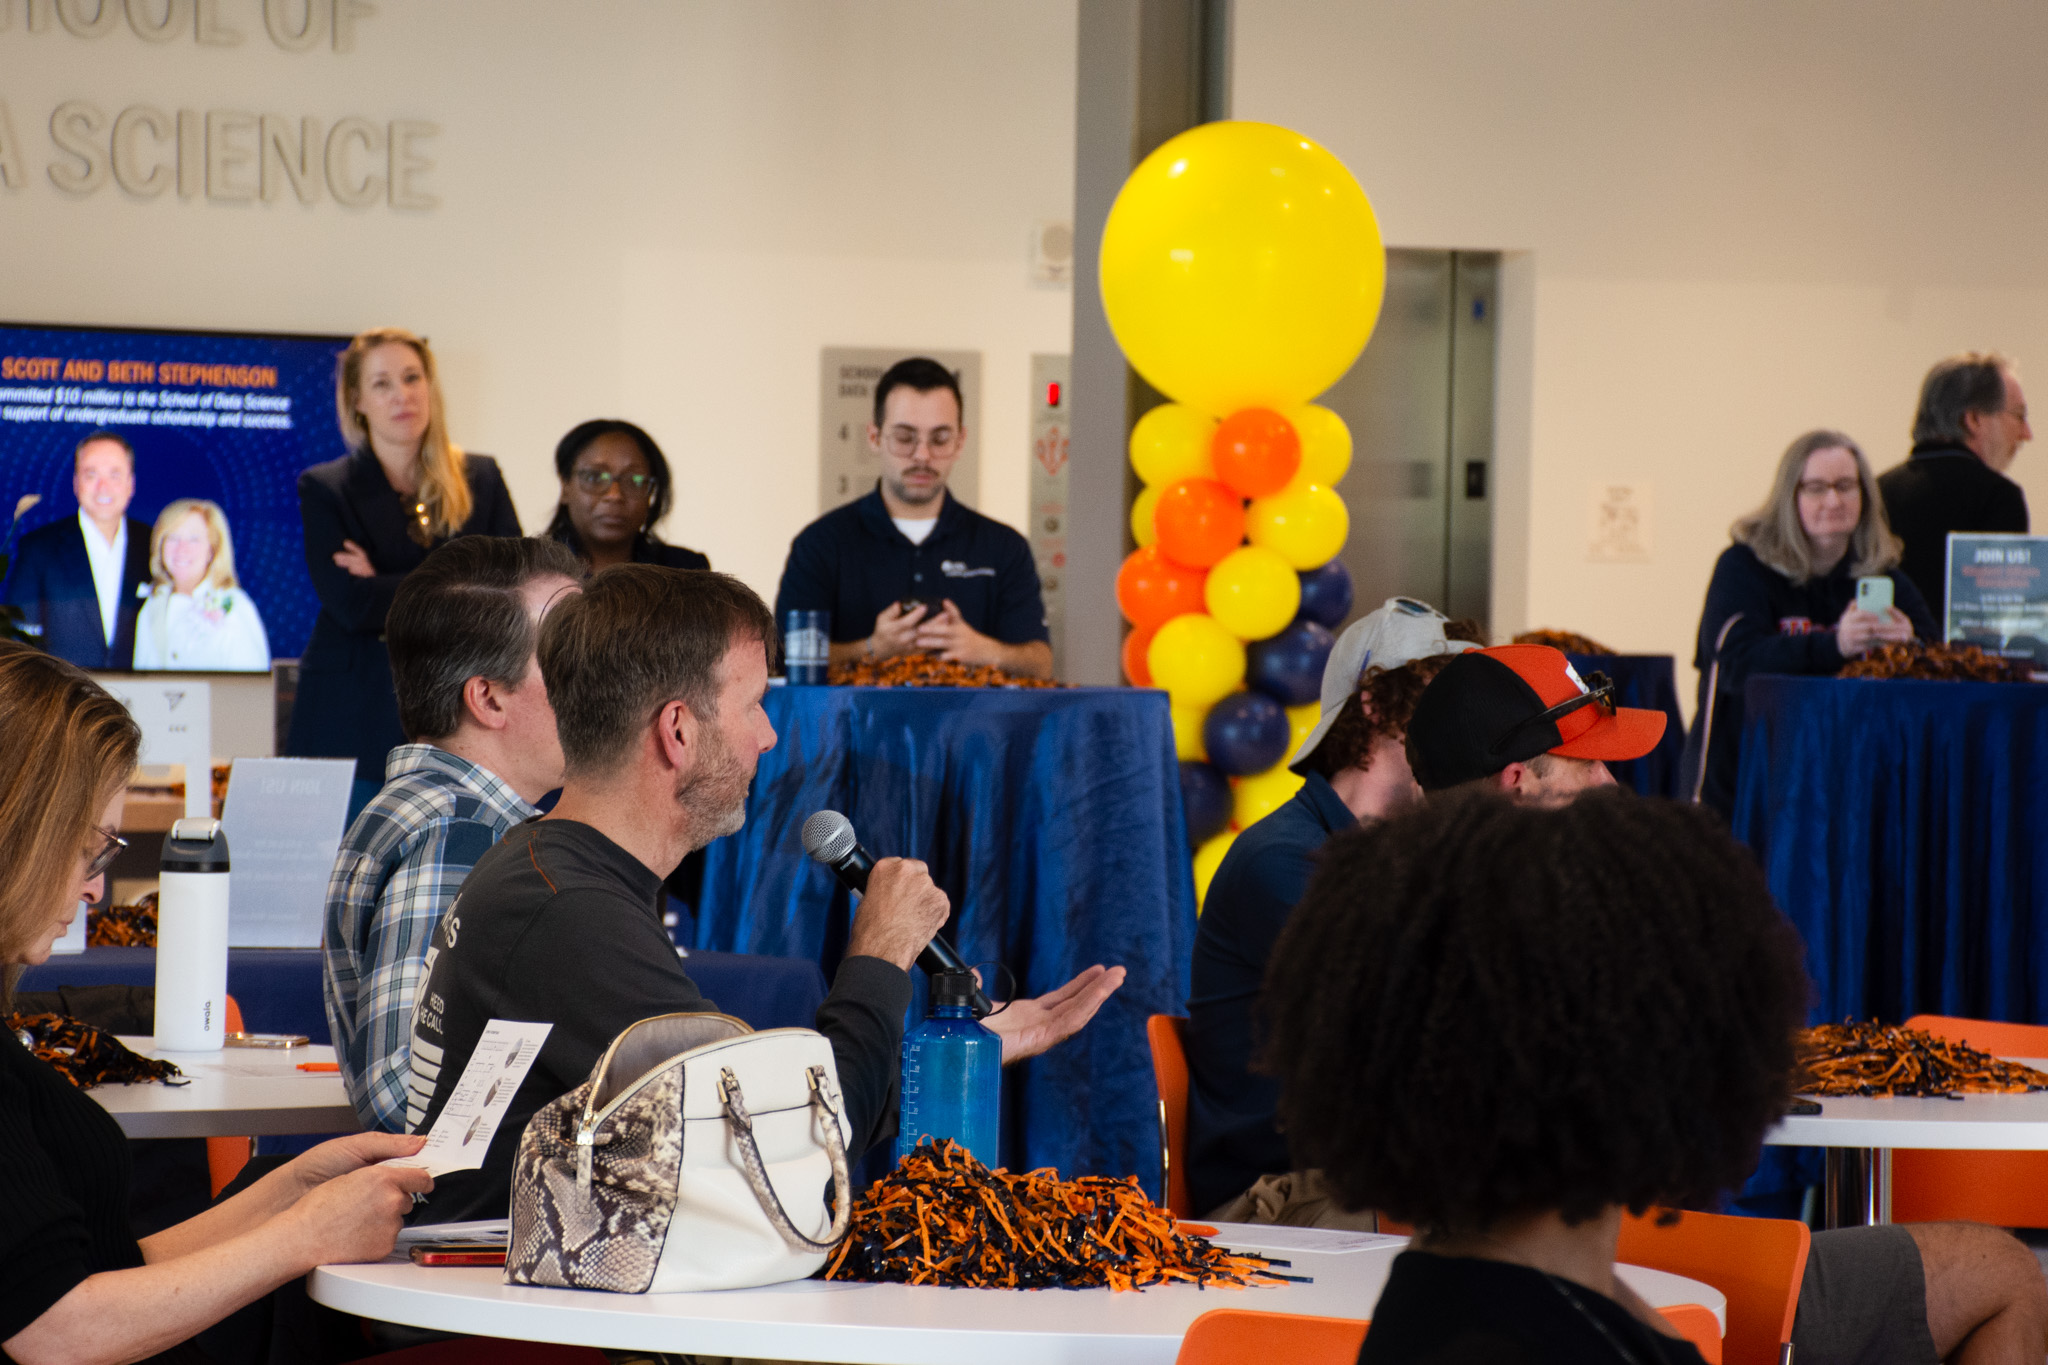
[1874, 594]
[458, 1253]
[1802, 1105]
[274, 1040]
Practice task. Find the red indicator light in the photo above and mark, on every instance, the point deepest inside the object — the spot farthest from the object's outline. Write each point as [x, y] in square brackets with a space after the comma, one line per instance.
[1052, 395]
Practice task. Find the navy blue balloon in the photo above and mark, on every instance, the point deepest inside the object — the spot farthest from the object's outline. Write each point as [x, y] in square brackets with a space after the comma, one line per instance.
[1205, 794]
[1326, 594]
[1246, 733]
[1289, 666]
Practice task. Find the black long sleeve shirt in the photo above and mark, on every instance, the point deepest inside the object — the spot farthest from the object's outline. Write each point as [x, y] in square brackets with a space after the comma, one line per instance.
[1945, 488]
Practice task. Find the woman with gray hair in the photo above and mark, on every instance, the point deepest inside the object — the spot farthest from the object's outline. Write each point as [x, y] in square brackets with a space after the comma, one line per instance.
[1783, 597]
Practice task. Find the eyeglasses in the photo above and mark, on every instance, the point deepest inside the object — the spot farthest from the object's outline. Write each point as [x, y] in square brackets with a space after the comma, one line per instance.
[2019, 412]
[941, 441]
[108, 851]
[1820, 488]
[598, 480]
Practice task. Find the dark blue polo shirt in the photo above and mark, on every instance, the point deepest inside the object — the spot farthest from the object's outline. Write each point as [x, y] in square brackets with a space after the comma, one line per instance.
[1232, 1137]
[853, 562]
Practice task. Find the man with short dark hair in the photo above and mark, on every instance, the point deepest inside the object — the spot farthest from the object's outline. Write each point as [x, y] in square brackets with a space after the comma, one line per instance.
[909, 566]
[657, 677]
[76, 579]
[482, 751]
[1238, 1168]
[1970, 425]
[1917, 1292]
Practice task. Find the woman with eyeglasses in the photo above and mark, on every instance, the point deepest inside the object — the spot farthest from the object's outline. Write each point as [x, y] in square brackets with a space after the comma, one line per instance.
[1783, 597]
[75, 1284]
[615, 489]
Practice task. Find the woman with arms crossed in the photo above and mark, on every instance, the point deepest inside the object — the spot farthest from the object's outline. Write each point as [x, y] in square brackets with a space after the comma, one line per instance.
[75, 1285]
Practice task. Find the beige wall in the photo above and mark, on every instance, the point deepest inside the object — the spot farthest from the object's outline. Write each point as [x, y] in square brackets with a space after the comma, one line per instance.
[1740, 220]
[654, 209]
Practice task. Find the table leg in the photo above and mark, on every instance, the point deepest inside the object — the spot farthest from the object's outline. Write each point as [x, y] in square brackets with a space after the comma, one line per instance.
[1858, 1192]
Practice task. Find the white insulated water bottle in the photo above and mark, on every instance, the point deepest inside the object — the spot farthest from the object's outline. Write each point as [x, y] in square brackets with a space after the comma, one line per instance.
[192, 938]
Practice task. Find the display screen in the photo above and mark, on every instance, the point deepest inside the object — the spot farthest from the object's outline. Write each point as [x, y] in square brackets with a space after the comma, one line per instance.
[189, 556]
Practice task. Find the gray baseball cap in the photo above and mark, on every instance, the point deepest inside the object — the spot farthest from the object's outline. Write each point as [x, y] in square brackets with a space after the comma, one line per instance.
[1401, 631]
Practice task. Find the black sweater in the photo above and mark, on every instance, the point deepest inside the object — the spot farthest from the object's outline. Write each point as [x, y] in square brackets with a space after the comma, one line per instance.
[1944, 488]
[557, 924]
[1785, 627]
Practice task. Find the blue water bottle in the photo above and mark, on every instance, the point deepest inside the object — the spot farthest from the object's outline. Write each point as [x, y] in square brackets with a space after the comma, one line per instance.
[952, 1074]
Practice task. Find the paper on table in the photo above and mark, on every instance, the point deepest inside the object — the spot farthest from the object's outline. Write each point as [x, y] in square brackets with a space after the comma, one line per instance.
[1273, 1237]
[467, 1123]
[484, 1230]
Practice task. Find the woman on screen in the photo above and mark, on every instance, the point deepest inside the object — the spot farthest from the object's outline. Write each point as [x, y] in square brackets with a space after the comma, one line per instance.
[194, 616]
[615, 491]
[370, 518]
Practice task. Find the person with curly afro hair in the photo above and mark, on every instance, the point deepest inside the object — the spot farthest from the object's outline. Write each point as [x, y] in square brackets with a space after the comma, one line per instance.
[1507, 1024]
[1355, 768]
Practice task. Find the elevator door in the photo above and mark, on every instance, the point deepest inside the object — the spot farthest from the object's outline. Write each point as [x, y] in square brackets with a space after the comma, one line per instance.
[1419, 403]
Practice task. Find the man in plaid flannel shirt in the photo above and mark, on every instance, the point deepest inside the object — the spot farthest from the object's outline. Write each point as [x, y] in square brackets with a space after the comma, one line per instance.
[461, 632]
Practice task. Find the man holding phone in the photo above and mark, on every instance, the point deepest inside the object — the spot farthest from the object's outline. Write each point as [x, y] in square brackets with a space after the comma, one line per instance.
[909, 566]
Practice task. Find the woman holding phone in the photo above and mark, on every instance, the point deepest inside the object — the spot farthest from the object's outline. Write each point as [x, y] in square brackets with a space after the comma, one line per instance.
[1784, 597]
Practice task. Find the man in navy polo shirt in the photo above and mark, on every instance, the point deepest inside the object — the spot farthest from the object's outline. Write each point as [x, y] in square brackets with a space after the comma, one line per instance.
[969, 580]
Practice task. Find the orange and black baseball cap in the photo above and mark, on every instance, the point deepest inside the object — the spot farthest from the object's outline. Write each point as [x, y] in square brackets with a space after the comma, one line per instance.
[1492, 707]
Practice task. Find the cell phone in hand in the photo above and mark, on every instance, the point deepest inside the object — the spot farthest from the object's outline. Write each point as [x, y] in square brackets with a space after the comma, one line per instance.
[1874, 594]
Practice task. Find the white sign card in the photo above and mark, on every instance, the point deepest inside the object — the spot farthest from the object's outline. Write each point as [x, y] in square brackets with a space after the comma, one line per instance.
[1997, 596]
[1051, 433]
[283, 819]
[177, 727]
[463, 1130]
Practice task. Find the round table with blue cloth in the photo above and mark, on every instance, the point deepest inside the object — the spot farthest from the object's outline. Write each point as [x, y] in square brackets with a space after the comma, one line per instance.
[1050, 817]
[1647, 681]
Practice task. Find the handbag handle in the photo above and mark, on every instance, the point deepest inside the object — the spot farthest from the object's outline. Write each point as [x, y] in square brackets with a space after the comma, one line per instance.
[742, 1125]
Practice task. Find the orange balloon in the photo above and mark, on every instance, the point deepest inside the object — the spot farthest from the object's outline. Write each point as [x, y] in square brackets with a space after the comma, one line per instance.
[1151, 589]
[1135, 645]
[1199, 522]
[1256, 451]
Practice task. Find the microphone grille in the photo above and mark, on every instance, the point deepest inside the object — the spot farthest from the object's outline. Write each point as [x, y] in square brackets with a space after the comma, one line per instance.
[829, 836]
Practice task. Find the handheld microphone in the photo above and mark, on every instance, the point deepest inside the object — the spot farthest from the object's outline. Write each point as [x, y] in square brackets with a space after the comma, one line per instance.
[829, 839]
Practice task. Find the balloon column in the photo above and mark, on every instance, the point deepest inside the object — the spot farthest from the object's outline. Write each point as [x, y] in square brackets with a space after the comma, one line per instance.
[1242, 271]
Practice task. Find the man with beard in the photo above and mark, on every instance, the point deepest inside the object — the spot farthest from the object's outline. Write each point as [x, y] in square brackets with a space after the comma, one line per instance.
[656, 676]
[909, 566]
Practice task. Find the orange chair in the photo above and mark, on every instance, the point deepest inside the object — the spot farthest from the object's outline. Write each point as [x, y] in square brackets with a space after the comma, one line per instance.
[1757, 1263]
[226, 1156]
[1170, 1071]
[2008, 1189]
[1227, 1336]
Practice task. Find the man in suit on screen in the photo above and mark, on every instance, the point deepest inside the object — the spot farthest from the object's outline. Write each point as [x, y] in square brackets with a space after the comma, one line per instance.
[76, 579]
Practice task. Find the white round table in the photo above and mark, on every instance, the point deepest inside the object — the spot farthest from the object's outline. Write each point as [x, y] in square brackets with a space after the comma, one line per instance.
[889, 1324]
[258, 1092]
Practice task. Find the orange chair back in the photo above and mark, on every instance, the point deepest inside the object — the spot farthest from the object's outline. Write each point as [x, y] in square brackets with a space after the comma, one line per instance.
[1230, 1336]
[2008, 1189]
[226, 1156]
[1756, 1263]
[1697, 1324]
[1170, 1071]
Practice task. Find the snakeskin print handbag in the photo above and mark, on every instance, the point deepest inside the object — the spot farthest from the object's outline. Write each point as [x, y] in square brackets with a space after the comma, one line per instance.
[696, 1156]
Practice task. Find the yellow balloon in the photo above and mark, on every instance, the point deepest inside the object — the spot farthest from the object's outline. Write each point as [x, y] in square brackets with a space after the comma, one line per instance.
[1325, 445]
[1197, 661]
[1252, 593]
[1171, 443]
[1241, 267]
[1258, 796]
[1304, 523]
[1207, 859]
[1142, 508]
[1300, 720]
[1187, 733]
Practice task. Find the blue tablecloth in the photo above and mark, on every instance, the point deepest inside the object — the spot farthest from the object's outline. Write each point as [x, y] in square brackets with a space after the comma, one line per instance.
[1904, 828]
[1052, 818]
[278, 989]
[1647, 681]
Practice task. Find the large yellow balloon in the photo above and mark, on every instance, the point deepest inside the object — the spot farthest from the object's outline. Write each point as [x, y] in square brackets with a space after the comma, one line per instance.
[1325, 445]
[1258, 796]
[1207, 859]
[1188, 745]
[1252, 593]
[1142, 508]
[1197, 661]
[1304, 523]
[1300, 720]
[1171, 443]
[1241, 268]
